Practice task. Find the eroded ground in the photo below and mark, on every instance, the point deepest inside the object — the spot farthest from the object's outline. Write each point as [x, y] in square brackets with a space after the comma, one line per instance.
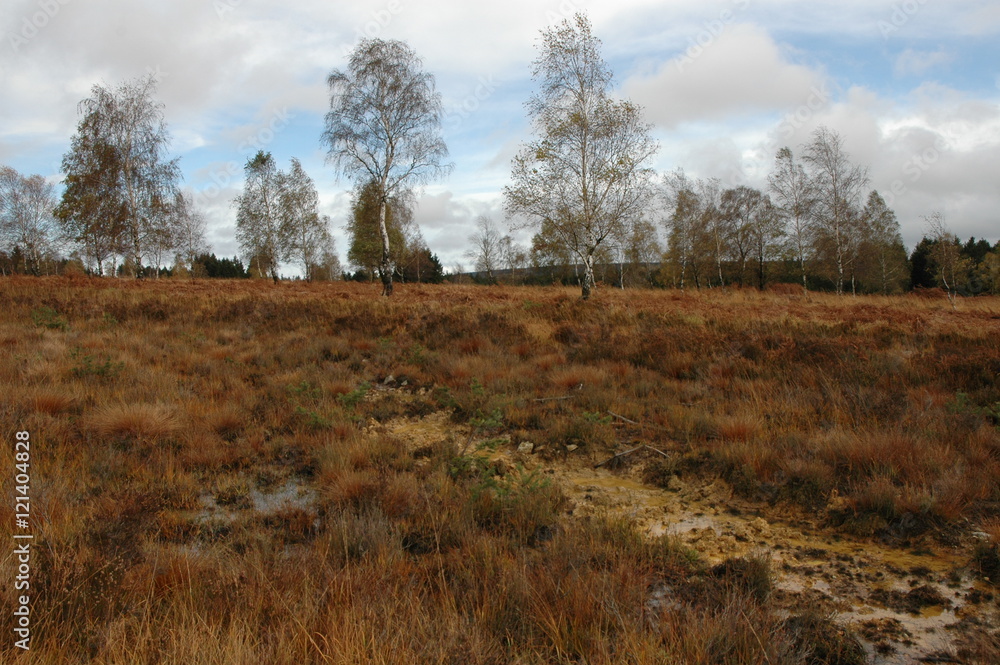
[917, 602]
[912, 602]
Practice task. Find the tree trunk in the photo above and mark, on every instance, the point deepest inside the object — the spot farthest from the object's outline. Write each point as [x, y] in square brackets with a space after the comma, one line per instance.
[588, 277]
[840, 265]
[386, 266]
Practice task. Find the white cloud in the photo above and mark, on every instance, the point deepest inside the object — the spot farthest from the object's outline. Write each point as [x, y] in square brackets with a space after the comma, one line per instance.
[740, 71]
[918, 63]
[722, 113]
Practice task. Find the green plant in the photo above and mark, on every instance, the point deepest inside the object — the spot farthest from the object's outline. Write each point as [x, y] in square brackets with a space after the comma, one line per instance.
[487, 422]
[46, 317]
[312, 419]
[88, 365]
[306, 390]
[596, 418]
[491, 445]
[353, 398]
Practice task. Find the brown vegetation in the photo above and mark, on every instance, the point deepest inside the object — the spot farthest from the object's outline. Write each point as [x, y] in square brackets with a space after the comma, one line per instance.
[162, 412]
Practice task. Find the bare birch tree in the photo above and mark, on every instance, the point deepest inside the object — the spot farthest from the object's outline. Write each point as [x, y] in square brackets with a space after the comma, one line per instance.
[583, 179]
[740, 209]
[486, 252]
[682, 227]
[513, 257]
[795, 198]
[26, 219]
[839, 185]
[766, 233]
[190, 228]
[384, 126]
[952, 267]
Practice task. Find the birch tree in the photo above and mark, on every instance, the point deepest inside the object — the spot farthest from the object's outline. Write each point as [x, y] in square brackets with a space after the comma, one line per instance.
[795, 198]
[191, 227]
[681, 226]
[513, 257]
[952, 267]
[487, 248]
[119, 157]
[740, 210]
[26, 219]
[583, 178]
[91, 212]
[384, 127]
[304, 233]
[766, 233]
[839, 185]
[365, 249]
[882, 243]
[258, 215]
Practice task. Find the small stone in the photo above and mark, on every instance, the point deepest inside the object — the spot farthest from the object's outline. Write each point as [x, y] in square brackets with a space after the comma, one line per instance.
[526, 447]
[761, 526]
[389, 379]
[571, 447]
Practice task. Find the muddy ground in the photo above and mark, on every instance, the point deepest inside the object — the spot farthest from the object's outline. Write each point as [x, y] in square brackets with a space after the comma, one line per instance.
[909, 602]
[912, 601]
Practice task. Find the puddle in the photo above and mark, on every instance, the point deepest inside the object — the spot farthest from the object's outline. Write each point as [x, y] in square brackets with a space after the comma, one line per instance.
[290, 495]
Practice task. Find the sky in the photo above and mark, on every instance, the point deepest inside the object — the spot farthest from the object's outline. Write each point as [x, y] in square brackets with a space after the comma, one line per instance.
[912, 86]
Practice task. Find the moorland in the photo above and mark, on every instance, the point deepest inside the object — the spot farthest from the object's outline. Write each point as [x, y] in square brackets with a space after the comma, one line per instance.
[237, 471]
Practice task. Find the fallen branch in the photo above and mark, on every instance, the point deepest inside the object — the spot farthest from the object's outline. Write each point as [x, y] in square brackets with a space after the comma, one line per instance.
[637, 424]
[629, 452]
[553, 399]
[631, 422]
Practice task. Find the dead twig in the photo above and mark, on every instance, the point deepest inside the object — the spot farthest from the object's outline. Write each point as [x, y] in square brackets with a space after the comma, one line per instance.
[637, 424]
[629, 452]
[631, 422]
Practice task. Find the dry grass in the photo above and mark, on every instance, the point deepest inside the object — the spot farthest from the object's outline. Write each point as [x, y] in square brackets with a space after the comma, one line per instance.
[143, 397]
[140, 422]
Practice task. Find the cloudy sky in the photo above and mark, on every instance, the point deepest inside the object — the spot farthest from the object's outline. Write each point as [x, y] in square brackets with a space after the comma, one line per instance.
[913, 86]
